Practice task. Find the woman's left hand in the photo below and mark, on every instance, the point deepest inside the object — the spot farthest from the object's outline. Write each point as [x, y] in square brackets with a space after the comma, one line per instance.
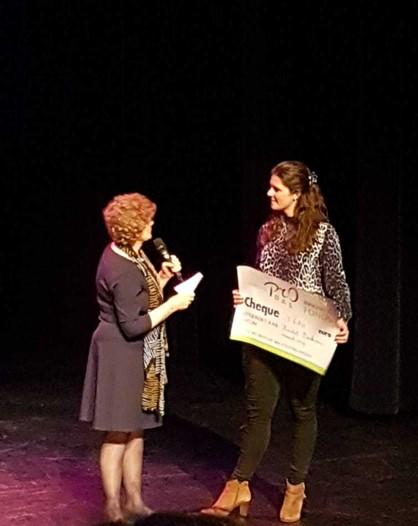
[343, 332]
[169, 268]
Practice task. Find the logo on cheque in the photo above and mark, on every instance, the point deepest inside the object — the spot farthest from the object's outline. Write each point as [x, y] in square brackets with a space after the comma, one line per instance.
[282, 293]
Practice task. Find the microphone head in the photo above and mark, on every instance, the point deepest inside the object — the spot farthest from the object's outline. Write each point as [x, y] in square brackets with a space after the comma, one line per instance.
[159, 244]
[161, 247]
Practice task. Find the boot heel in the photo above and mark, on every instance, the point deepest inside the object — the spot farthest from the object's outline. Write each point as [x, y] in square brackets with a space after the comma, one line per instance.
[236, 496]
[244, 509]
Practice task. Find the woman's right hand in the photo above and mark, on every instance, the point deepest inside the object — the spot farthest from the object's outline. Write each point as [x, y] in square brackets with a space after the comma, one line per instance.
[181, 301]
[237, 298]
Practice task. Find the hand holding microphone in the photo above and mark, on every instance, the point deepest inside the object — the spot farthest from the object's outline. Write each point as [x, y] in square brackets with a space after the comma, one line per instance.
[170, 268]
[171, 265]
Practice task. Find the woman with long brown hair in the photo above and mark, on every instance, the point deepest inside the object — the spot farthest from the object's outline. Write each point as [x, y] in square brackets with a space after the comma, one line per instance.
[300, 246]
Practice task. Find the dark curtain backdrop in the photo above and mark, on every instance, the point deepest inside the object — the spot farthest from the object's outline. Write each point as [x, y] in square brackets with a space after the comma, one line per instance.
[192, 104]
[386, 363]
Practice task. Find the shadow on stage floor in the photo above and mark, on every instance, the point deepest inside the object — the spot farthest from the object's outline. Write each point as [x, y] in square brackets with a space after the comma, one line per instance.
[364, 472]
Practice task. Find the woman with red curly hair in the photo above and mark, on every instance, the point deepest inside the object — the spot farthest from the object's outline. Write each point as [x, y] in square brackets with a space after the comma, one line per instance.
[124, 384]
[297, 244]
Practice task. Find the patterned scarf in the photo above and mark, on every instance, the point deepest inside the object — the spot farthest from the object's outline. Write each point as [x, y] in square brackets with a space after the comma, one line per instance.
[155, 341]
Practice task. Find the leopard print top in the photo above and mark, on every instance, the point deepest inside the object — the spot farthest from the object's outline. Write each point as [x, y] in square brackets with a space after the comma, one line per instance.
[318, 269]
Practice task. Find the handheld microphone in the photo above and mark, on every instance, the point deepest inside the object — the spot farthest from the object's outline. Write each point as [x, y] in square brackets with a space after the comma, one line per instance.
[161, 248]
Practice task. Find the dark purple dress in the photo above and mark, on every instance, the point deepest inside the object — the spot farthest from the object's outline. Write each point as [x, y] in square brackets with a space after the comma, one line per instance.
[114, 378]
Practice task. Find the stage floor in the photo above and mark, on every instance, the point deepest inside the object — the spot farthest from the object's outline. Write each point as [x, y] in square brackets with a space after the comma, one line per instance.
[365, 470]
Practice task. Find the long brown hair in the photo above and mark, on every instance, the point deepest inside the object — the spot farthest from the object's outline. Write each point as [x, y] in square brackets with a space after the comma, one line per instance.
[310, 207]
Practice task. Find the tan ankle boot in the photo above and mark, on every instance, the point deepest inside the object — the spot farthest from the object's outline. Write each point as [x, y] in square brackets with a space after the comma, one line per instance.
[235, 495]
[293, 501]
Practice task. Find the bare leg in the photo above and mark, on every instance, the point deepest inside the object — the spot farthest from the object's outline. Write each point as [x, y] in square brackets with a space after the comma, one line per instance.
[132, 474]
[111, 467]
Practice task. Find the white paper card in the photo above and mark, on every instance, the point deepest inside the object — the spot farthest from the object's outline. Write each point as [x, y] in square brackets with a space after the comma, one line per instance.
[189, 285]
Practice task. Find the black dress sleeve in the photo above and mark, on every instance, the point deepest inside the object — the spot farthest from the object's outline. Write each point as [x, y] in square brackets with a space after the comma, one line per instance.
[333, 275]
[130, 298]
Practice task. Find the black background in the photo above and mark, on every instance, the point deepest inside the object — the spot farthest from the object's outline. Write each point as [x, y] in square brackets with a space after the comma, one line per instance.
[192, 103]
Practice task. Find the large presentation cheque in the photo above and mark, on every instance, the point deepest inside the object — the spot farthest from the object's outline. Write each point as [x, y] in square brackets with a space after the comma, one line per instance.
[285, 320]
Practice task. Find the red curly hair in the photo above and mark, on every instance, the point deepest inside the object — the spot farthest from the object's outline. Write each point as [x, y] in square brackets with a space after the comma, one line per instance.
[126, 216]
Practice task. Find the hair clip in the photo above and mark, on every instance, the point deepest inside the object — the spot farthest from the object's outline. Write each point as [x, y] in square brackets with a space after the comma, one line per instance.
[313, 177]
